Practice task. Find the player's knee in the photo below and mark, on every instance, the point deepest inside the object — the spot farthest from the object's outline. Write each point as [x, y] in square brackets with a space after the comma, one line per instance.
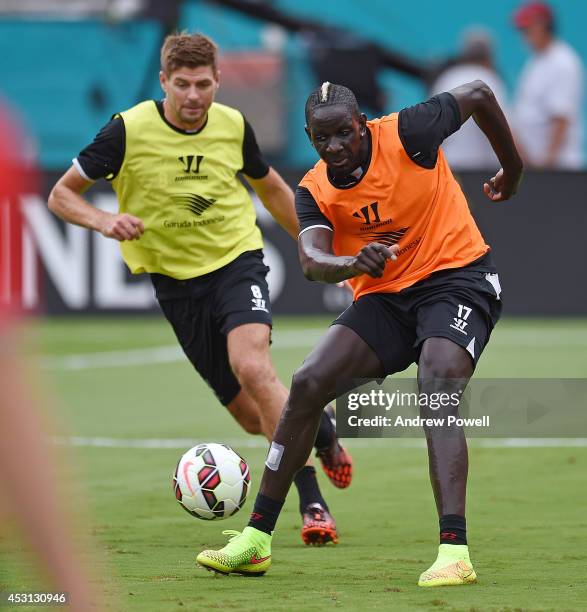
[434, 365]
[436, 369]
[251, 371]
[307, 388]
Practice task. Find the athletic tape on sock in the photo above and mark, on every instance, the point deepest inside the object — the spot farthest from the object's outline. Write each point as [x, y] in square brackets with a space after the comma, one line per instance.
[274, 456]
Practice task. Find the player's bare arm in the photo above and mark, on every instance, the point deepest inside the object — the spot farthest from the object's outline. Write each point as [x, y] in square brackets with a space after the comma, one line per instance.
[320, 264]
[66, 201]
[476, 100]
[278, 199]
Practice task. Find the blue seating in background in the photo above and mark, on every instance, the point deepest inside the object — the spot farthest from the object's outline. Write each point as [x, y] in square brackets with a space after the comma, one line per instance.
[67, 78]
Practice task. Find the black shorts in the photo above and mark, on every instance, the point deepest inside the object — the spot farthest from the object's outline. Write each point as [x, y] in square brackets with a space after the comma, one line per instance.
[461, 304]
[203, 310]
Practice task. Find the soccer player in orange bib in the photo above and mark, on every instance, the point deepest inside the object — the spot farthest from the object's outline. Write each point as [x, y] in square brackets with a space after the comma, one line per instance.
[382, 210]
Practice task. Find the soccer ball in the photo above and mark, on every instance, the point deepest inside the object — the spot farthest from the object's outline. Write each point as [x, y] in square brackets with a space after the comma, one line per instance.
[211, 481]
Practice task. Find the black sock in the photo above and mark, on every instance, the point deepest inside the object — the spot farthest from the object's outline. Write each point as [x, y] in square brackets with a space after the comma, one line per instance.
[453, 529]
[308, 489]
[265, 513]
[326, 432]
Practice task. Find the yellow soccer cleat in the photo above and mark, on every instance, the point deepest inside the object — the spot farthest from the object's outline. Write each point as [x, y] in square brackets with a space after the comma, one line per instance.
[451, 568]
[247, 553]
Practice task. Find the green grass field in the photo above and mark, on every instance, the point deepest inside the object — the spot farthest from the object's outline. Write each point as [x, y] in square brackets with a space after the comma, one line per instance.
[526, 506]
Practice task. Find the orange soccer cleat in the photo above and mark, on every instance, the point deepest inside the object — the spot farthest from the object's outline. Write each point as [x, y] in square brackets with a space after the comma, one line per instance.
[319, 527]
[336, 461]
[337, 464]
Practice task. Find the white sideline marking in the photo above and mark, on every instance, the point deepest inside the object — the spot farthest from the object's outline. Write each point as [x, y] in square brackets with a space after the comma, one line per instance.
[115, 359]
[155, 443]
[566, 338]
[185, 443]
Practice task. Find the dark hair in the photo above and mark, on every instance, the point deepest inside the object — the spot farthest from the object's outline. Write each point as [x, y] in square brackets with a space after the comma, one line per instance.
[187, 50]
[329, 94]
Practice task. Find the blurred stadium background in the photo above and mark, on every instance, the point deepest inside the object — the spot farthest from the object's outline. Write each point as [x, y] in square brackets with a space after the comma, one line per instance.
[66, 67]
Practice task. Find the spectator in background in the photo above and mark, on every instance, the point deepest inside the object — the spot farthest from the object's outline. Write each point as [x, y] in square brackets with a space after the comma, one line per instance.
[548, 104]
[469, 149]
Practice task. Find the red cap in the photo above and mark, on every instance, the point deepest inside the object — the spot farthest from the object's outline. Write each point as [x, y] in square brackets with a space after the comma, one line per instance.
[531, 12]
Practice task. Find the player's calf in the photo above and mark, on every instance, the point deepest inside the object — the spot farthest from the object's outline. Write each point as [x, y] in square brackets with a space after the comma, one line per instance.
[246, 413]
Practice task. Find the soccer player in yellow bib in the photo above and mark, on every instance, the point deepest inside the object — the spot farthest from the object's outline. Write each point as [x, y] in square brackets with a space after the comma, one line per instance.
[186, 219]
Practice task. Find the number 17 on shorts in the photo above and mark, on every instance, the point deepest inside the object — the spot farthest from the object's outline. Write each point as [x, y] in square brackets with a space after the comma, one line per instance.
[460, 321]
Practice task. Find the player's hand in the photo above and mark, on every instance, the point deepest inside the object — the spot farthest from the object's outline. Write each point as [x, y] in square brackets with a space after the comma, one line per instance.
[122, 227]
[372, 259]
[502, 186]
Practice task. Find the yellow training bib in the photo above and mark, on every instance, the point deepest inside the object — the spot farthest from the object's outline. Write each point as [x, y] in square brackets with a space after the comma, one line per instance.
[198, 216]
